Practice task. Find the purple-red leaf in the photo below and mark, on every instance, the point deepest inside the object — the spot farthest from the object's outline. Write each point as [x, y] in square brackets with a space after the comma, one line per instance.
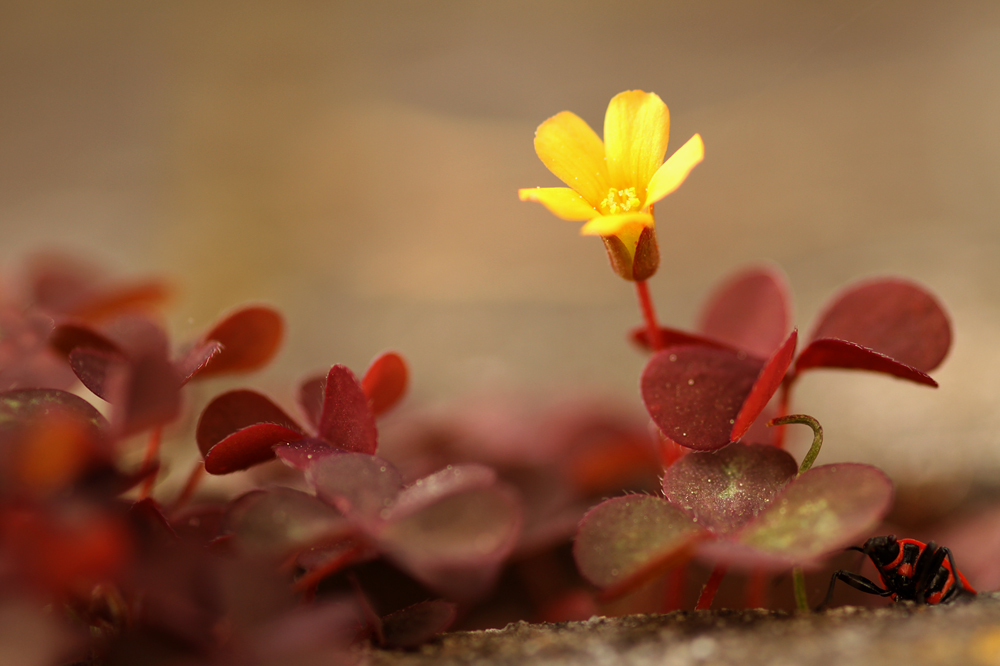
[750, 311]
[672, 337]
[821, 511]
[385, 382]
[694, 394]
[361, 486]
[235, 410]
[250, 338]
[415, 625]
[767, 383]
[457, 544]
[280, 520]
[628, 540]
[346, 420]
[894, 317]
[722, 490]
[834, 353]
[311, 399]
[452, 480]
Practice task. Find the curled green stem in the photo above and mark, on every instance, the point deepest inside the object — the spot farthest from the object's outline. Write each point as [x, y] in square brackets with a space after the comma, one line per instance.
[817, 429]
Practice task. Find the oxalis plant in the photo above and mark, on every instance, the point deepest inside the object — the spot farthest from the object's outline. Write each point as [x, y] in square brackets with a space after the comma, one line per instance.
[345, 532]
[732, 496]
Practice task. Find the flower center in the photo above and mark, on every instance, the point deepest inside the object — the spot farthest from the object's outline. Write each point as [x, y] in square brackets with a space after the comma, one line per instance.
[620, 201]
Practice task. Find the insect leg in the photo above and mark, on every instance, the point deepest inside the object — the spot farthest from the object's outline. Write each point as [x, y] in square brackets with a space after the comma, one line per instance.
[856, 581]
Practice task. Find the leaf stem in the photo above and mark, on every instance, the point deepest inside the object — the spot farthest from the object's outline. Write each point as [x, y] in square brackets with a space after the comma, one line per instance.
[152, 454]
[756, 590]
[711, 587]
[649, 315]
[817, 429]
[799, 579]
[194, 478]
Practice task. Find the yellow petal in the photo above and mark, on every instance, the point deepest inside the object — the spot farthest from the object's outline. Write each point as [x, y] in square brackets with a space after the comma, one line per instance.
[636, 128]
[611, 225]
[673, 172]
[561, 201]
[574, 153]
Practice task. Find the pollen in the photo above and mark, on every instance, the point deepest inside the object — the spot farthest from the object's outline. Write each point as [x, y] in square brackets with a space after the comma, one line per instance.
[620, 201]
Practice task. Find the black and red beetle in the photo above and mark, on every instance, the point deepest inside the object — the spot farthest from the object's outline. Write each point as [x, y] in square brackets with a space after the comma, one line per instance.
[908, 570]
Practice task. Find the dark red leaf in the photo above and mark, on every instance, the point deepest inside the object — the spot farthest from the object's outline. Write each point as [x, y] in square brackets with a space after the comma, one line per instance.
[767, 383]
[694, 394]
[311, 398]
[67, 337]
[819, 512]
[25, 407]
[196, 358]
[894, 317]
[247, 447]
[138, 336]
[235, 410]
[250, 338]
[385, 382]
[346, 420]
[110, 302]
[833, 353]
[415, 625]
[672, 337]
[626, 541]
[722, 490]
[145, 393]
[750, 311]
[92, 366]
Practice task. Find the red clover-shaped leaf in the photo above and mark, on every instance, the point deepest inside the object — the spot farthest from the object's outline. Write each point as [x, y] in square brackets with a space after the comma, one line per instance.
[822, 510]
[145, 392]
[92, 366]
[694, 394]
[723, 490]
[385, 382]
[625, 541]
[767, 383]
[833, 353]
[894, 317]
[250, 338]
[195, 359]
[346, 420]
[280, 520]
[239, 429]
[25, 407]
[361, 486]
[750, 311]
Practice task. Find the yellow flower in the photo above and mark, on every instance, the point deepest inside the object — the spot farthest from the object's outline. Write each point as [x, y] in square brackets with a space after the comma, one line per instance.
[613, 184]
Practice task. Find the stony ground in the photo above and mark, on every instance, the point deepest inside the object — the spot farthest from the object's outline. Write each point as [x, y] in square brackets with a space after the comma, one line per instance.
[901, 635]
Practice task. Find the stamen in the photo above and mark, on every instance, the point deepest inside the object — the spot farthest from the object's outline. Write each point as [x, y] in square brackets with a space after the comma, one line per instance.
[622, 201]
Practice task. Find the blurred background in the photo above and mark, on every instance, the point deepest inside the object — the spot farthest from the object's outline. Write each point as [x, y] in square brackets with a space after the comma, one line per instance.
[356, 164]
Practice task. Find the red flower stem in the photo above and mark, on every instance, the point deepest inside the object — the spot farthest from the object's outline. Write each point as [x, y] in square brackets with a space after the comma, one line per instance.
[194, 478]
[711, 587]
[307, 584]
[649, 315]
[673, 596]
[756, 591]
[152, 454]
